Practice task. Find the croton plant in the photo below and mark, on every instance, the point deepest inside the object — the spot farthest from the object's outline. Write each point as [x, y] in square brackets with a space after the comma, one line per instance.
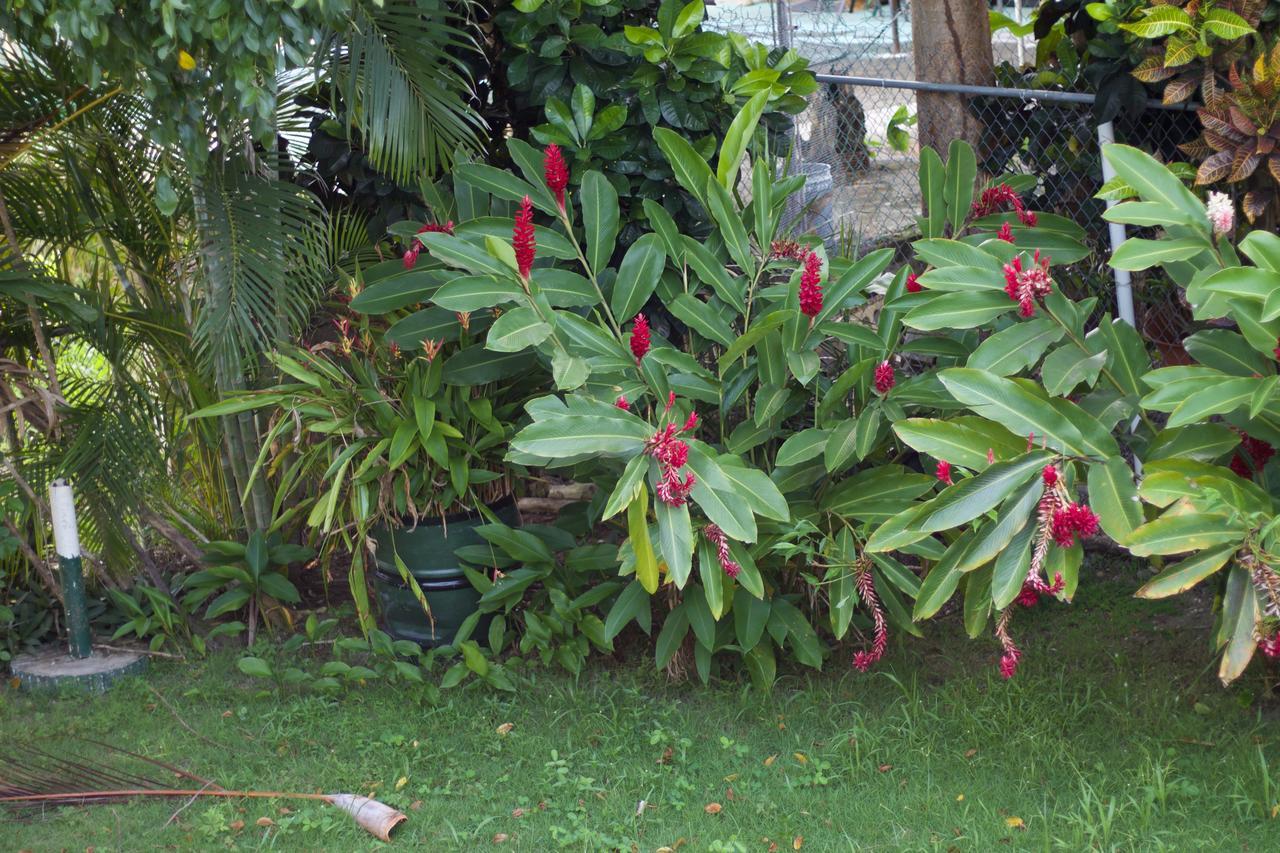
[787, 445]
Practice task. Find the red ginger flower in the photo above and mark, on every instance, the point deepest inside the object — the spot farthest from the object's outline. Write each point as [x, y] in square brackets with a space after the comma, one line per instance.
[789, 249]
[944, 472]
[640, 337]
[1000, 196]
[1025, 286]
[884, 377]
[672, 453]
[1011, 653]
[522, 238]
[411, 255]
[716, 537]
[1050, 475]
[555, 172]
[862, 660]
[810, 289]
[1070, 520]
[1029, 596]
[1270, 646]
[623, 404]
[1005, 233]
[913, 283]
[1276, 351]
[1258, 452]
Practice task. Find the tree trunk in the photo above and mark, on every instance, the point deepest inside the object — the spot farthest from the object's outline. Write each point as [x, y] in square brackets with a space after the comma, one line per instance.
[951, 43]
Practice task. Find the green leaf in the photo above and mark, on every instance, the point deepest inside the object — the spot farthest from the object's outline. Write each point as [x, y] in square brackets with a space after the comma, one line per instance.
[599, 219]
[674, 628]
[496, 182]
[841, 446]
[473, 292]
[476, 366]
[759, 329]
[1139, 254]
[959, 310]
[1176, 534]
[1202, 442]
[942, 579]
[700, 317]
[964, 279]
[961, 173]
[1160, 21]
[932, 184]
[1226, 24]
[399, 291]
[1153, 181]
[565, 289]
[962, 441]
[941, 253]
[1065, 368]
[632, 603]
[256, 667]
[572, 435]
[569, 371]
[1012, 406]
[690, 169]
[993, 539]
[801, 447]
[1239, 624]
[1221, 399]
[716, 495]
[750, 615]
[675, 541]
[517, 329]
[637, 276]
[1011, 568]
[1181, 576]
[738, 136]
[1020, 346]
[1114, 498]
[256, 553]
[641, 545]
[732, 231]
[970, 498]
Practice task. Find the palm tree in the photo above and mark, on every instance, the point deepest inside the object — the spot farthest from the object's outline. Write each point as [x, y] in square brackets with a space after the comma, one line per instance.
[144, 270]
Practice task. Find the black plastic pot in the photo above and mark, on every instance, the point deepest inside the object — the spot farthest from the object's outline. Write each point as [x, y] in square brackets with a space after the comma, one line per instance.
[428, 552]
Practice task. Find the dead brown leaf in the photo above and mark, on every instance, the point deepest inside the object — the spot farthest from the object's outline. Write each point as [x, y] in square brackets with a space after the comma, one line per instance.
[713, 808]
[265, 821]
[970, 753]
[517, 813]
[500, 837]
[505, 728]
[885, 768]
[797, 842]
[236, 825]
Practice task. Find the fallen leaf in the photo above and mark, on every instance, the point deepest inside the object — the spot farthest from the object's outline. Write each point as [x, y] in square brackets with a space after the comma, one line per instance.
[959, 798]
[283, 810]
[265, 821]
[401, 782]
[713, 808]
[730, 795]
[226, 714]
[542, 805]
[666, 850]
[415, 805]
[970, 753]
[885, 768]
[773, 847]
[500, 837]
[517, 812]
[505, 729]
[801, 757]
[666, 756]
[732, 777]
[768, 762]
[1014, 823]
[797, 842]
[236, 825]
[1275, 810]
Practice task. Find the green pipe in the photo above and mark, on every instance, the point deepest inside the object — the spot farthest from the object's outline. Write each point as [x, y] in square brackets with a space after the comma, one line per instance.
[66, 540]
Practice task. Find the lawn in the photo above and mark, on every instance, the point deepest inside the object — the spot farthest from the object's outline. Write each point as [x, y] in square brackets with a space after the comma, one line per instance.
[1114, 735]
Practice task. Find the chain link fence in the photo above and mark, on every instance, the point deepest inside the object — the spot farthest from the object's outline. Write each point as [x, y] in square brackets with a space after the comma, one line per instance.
[863, 124]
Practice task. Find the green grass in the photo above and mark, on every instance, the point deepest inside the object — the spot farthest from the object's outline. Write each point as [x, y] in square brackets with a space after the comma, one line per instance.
[1115, 735]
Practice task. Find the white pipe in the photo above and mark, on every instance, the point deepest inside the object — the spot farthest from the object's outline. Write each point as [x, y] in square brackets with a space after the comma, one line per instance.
[62, 506]
[1124, 283]
[1017, 16]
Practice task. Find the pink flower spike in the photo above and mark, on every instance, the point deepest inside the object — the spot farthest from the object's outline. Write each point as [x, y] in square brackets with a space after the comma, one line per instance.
[691, 423]
[522, 238]
[555, 172]
[862, 660]
[622, 403]
[944, 472]
[913, 283]
[640, 337]
[1005, 233]
[810, 289]
[884, 378]
[991, 456]
[717, 538]
[1050, 475]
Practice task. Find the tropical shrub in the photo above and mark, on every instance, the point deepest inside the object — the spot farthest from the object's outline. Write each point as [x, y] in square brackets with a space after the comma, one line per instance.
[1209, 481]
[597, 78]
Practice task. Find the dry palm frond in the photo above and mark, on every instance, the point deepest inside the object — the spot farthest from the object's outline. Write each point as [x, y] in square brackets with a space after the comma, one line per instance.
[32, 779]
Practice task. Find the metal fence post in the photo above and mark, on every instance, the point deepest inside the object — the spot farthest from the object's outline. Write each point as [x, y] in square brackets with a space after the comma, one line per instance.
[1124, 283]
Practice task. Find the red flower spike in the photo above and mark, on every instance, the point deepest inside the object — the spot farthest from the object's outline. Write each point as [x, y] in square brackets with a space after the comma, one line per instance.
[640, 337]
[716, 537]
[522, 238]
[411, 256]
[1270, 646]
[944, 472]
[691, 423]
[789, 249]
[622, 403]
[810, 289]
[991, 456]
[1027, 218]
[884, 378]
[555, 172]
[1029, 596]
[862, 660]
[1276, 351]
[1005, 233]
[913, 283]
[1025, 286]
[1050, 475]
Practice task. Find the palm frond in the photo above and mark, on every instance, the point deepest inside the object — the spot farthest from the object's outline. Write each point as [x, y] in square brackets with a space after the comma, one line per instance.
[404, 86]
[260, 245]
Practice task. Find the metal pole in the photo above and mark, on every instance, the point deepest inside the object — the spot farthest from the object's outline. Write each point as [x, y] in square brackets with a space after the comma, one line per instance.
[893, 24]
[1049, 95]
[66, 540]
[1017, 15]
[1124, 284]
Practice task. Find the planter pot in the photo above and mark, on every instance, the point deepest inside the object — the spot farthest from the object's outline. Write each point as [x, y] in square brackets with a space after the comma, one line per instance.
[427, 550]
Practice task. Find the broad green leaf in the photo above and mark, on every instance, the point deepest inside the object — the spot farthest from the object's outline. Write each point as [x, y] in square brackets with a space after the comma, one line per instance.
[702, 318]
[637, 277]
[1202, 442]
[739, 134]
[1181, 576]
[840, 447]
[964, 279]
[961, 173]
[641, 545]
[1114, 498]
[472, 292]
[953, 253]
[632, 603]
[994, 538]
[517, 329]
[1176, 534]
[1140, 254]
[942, 579]
[675, 541]
[801, 447]
[1065, 368]
[1011, 567]
[1239, 624]
[932, 182]
[970, 498]
[690, 169]
[959, 310]
[599, 219]
[962, 441]
[572, 435]
[1153, 181]
[716, 496]
[750, 616]
[1012, 406]
[1020, 346]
